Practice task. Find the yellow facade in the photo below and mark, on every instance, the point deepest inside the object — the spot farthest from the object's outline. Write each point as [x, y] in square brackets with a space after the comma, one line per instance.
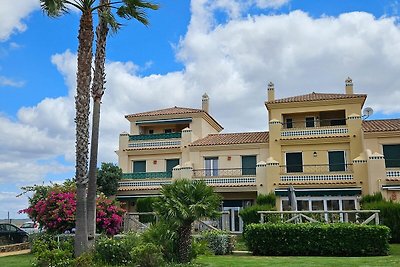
[319, 143]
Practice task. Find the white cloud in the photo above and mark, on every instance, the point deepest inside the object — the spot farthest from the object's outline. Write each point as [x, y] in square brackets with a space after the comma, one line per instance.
[14, 204]
[12, 14]
[4, 81]
[271, 3]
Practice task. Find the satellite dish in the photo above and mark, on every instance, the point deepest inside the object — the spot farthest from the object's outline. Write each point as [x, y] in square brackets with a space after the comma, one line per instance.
[367, 112]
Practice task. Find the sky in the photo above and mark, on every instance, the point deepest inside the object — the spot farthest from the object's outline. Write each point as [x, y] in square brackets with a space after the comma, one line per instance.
[230, 49]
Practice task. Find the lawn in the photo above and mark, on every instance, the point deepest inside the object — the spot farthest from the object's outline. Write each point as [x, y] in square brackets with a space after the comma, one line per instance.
[252, 261]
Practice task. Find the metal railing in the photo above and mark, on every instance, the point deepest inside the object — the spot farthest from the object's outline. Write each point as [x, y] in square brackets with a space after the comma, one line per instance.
[154, 136]
[325, 216]
[233, 172]
[316, 168]
[314, 123]
[147, 175]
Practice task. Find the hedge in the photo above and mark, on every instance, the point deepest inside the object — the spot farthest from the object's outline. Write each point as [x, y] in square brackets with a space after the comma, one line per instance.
[219, 242]
[306, 239]
[389, 216]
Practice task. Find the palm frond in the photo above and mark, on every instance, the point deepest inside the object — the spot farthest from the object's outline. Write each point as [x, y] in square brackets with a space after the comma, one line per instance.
[54, 8]
[136, 9]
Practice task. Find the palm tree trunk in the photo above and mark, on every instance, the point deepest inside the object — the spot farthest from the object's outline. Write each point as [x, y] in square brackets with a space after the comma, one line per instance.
[184, 242]
[82, 103]
[97, 93]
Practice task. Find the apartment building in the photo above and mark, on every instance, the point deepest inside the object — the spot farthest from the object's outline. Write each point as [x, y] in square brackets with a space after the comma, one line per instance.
[319, 143]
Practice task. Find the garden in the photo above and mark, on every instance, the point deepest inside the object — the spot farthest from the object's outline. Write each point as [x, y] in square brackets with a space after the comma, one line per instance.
[171, 242]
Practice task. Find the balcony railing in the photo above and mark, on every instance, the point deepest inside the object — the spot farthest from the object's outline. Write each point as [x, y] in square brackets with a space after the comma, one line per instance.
[317, 168]
[154, 136]
[314, 123]
[147, 175]
[233, 172]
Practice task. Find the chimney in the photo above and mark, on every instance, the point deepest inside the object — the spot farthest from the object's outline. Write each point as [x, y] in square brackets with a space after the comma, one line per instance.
[205, 103]
[349, 86]
[271, 92]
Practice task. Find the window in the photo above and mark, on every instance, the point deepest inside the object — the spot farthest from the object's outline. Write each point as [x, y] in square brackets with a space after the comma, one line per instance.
[249, 165]
[294, 162]
[289, 123]
[170, 164]
[337, 161]
[167, 130]
[211, 166]
[139, 166]
[151, 131]
[310, 122]
[392, 155]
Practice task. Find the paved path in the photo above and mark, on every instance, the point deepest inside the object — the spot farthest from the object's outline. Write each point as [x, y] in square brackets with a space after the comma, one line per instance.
[18, 252]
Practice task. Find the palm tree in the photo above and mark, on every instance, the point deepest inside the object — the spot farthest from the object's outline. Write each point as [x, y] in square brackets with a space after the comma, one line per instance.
[183, 202]
[132, 9]
[55, 8]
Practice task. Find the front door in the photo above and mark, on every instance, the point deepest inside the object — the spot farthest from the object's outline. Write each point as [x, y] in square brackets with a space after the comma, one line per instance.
[171, 163]
[232, 221]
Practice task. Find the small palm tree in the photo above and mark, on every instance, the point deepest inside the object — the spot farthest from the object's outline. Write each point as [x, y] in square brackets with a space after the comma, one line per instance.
[183, 202]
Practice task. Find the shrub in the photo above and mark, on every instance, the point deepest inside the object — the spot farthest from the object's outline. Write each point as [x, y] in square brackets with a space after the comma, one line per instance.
[337, 239]
[219, 242]
[376, 197]
[389, 216]
[163, 235]
[147, 255]
[146, 205]
[49, 252]
[116, 251]
[268, 199]
[250, 215]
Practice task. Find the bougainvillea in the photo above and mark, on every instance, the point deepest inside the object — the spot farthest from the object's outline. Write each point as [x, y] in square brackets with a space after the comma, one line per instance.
[56, 213]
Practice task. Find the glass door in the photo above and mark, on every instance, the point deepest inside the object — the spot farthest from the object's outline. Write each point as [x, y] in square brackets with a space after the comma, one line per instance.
[234, 221]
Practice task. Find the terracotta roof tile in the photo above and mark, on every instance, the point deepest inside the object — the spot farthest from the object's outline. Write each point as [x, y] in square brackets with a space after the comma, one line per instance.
[139, 188]
[392, 179]
[166, 111]
[316, 97]
[232, 138]
[150, 148]
[381, 125]
[318, 183]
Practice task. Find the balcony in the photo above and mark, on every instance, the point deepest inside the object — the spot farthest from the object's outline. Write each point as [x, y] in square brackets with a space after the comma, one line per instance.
[227, 177]
[147, 175]
[155, 140]
[319, 172]
[312, 128]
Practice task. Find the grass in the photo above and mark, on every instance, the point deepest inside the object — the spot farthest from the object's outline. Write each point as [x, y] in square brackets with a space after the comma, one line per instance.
[252, 261]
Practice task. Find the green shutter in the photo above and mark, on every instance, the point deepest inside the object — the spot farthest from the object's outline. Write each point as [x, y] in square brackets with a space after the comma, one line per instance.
[392, 155]
[139, 166]
[249, 165]
[294, 162]
[336, 161]
[171, 163]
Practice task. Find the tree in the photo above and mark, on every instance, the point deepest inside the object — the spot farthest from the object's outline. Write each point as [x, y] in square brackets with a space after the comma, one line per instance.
[183, 202]
[131, 9]
[108, 177]
[54, 8]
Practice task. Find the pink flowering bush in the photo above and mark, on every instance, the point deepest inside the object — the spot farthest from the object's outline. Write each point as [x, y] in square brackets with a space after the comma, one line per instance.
[56, 213]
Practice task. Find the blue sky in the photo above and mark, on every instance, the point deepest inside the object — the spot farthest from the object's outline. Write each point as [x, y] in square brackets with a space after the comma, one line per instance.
[230, 49]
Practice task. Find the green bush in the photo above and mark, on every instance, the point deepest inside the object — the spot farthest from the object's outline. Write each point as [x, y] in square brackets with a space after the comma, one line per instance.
[336, 239]
[116, 251]
[269, 199]
[147, 255]
[376, 197]
[146, 205]
[163, 235]
[219, 242]
[250, 214]
[389, 216]
[48, 250]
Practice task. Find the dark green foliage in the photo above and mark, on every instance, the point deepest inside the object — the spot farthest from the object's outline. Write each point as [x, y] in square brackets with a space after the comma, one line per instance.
[147, 255]
[376, 197]
[116, 251]
[219, 242]
[336, 239]
[250, 215]
[146, 205]
[107, 178]
[49, 252]
[163, 235]
[269, 199]
[389, 216]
